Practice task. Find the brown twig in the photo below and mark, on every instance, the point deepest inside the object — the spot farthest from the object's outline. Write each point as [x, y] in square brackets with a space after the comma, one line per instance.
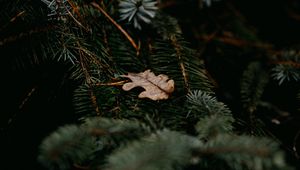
[17, 16]
[75, 8]
[94, 102]
[77, 22]
[119, 83]
[13, 19]
[117, 25]
[21, 106]
[76, 11]
[88, 79]
[27, 98]
[235, 41]
[178, 49]
[291, 63]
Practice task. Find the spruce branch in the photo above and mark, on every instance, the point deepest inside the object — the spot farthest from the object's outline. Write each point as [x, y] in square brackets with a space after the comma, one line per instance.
[210, 126]
[99, 50]
[95, 103]
[68, 145]
[89, 81]
[253, 82]
[116, 129]
[286, 66]
[75, 8]
[241, 152]
[286, 72]
[187, 75]
[203, 104]
[83, 104]
[77, 22]
[84, 65]
[164, 150]
[178, 50]
[118, 26]
[74, 145]
[165, 25]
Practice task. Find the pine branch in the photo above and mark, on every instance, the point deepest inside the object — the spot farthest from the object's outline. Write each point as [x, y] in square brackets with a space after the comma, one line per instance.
[173, 59]
[253, 83]
[242, 152]
[83, 105]
[118, 26]
[286, 66]
[165, 150]
[123, 55]
[202, 104]
[77, 145]
[87, 38]
[178, 50]
[210, 116]
[210, 126]
[69, 144]
[165, 25]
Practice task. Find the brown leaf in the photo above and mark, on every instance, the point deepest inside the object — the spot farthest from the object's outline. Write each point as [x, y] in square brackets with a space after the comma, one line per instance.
[156, 87]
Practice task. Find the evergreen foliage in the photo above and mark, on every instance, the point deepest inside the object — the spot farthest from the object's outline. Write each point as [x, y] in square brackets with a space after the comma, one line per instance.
[287, 68]
[192, 129]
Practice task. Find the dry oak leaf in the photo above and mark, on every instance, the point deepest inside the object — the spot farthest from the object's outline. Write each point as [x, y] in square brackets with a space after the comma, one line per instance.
[156, 87]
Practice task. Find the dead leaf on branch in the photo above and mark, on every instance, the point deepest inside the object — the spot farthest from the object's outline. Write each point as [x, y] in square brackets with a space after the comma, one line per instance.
[156, 87]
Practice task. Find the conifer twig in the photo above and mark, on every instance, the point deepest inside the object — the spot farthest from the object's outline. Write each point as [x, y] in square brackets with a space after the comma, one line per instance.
[27, 98]
[117, 25]
[21, 106]
[75, 10]
[88, 79]
[13, 19]
[290, 63]
[94, 102]
[77, 22]
[119, 83]
[17, 16]
[181, 62]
